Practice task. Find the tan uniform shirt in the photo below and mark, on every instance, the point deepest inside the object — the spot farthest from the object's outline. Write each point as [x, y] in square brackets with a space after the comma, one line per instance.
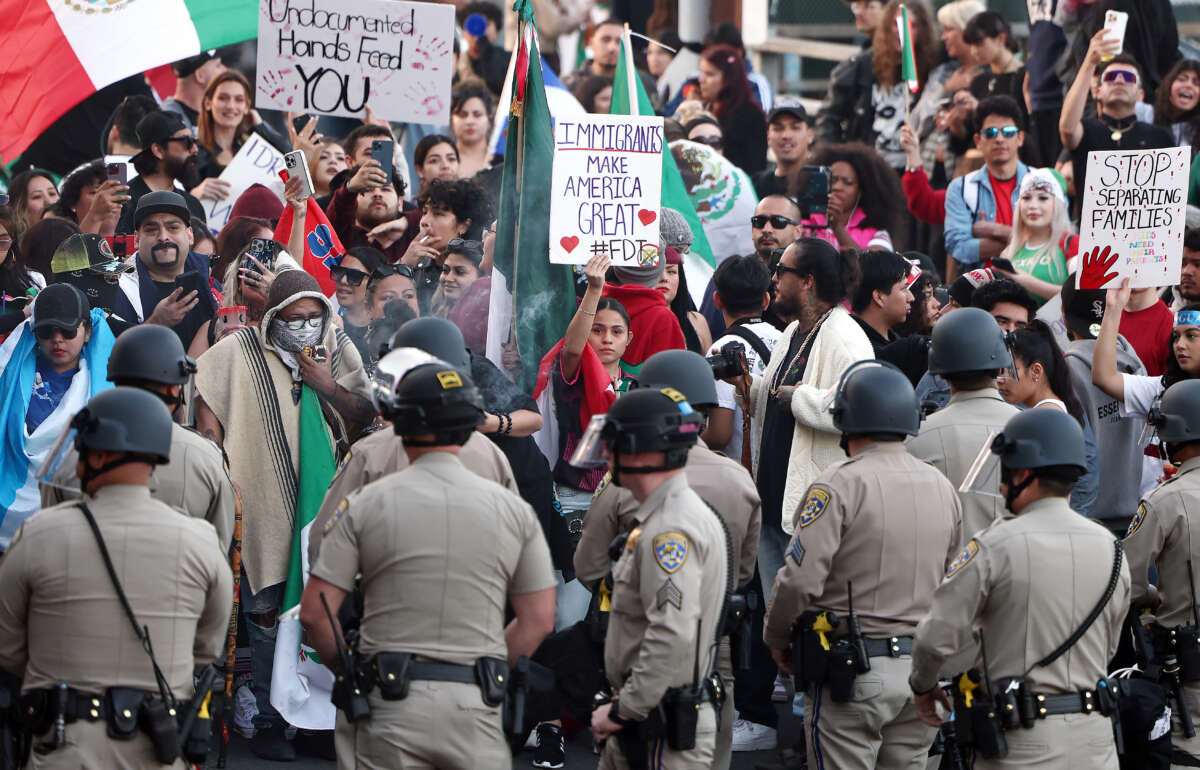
[196, 482]
[882, 519]
[950, 440]
[719, 481]
[1162, 534]
[382, 452]
[1027, 584]
[669, 578]
[440, 550]
[61, 620]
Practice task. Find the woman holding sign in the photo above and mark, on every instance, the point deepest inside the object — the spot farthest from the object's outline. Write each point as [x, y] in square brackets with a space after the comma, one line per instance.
[227, 118]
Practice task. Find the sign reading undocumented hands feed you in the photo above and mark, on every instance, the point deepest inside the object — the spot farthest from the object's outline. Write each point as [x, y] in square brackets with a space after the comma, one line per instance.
[606, 189]
[1133, 218]
[336, 57]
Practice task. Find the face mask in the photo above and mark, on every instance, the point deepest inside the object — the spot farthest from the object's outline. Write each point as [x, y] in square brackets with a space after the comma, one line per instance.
[295, 341]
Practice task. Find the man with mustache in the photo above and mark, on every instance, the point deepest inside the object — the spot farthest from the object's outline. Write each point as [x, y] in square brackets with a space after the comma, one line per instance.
[167, 162]
[151, 293]
[774, 226]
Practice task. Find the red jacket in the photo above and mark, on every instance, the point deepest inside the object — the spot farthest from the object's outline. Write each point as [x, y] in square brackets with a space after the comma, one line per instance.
[653, 324]
[925, 203]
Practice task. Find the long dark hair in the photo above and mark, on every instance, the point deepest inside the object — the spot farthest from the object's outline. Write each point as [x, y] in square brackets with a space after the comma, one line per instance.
[1165, 113]
[886, 47]
[1035, 345]
[735, 87]
[1174, 373]
[14, 278]
[879, 193]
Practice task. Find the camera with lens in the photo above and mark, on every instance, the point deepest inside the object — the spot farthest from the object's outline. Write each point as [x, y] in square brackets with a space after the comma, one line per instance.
[730, 362]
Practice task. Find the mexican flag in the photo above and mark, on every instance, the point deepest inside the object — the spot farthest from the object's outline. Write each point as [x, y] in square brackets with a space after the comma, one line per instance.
[908, 62]
[532, 301]
[629, 97]
[59, 52]
[301, 686]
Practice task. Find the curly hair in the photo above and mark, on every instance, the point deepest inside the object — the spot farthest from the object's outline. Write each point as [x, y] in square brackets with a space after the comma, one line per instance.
[473, 88]
[93, 173]
[926, 47]
[465, 199]
[1165, 113]
[879, 193]
[205, 132]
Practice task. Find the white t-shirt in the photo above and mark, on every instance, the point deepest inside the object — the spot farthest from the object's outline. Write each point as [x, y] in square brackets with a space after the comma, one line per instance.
[1141, 393]
[727, 394]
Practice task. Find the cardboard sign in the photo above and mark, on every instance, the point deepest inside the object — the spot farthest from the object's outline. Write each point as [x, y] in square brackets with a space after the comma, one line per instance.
[606, 189]
[1133, 218]
[335, 57]
[257, 162]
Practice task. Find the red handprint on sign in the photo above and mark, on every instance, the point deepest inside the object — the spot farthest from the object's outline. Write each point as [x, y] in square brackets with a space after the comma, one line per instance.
[1093, 272]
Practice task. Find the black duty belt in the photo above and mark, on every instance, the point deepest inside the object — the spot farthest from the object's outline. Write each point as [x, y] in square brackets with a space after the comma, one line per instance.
[892, 648]
[428, 671]
[1069, 703]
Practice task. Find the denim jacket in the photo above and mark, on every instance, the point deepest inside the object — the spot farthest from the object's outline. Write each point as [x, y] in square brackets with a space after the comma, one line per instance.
[966, 197]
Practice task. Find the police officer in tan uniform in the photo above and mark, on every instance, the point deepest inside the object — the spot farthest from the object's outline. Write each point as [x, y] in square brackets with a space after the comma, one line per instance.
[64, 633]
[719, 481]
[196, 480]
[968, 349]
[1027, 584]
[1165, 533]
[382, 452]
[670, 586]
[885, 525]
[440, 551]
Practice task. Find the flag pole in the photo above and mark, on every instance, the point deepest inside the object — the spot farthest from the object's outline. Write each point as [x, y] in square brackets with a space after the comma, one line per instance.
[630, 72]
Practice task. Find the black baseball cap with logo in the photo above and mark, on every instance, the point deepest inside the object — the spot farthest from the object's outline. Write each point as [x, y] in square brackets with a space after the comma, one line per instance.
[59, 306]
[1082, 309]
[185, 67]
[87, 251]
[788, 106]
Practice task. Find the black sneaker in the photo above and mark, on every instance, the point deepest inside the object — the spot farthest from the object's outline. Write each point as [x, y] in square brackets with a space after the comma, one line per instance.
[271, 743]
[551, 748]
[315, 743]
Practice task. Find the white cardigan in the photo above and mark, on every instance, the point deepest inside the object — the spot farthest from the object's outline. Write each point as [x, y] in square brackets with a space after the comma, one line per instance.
[838, 344]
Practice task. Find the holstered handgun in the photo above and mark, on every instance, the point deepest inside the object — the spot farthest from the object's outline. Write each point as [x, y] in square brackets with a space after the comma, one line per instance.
[1170, 673]
[976, 712]
[1108, 700]
[195, 726]
[737, 621]
[811, 646]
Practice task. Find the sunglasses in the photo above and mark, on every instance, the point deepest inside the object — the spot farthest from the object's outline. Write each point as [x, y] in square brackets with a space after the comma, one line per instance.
[462, 244]
[347, 274]
[48, 332]
[991, 132]
[188, 141]
[383, 271]
[715, 142]
[300, 323]
[1128, 77]
[781, 268]
[778, 221]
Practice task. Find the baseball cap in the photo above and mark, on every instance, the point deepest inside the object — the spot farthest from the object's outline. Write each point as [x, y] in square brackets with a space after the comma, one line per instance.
[161, 202]
[87, 251]
[1082, 309]
[965, 285]
[59, 306]
[185, 67]
[156, 127]
[788, 105]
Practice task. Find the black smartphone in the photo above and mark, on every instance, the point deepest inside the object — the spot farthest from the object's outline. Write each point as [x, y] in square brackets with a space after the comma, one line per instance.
[1004, 264]
[300, 121]
[381, 150]
[813, 183]
[188, 281]
[117, 172]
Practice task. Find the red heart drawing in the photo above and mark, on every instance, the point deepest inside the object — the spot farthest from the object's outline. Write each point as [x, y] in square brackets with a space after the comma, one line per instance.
[569, 242]
[647, 216]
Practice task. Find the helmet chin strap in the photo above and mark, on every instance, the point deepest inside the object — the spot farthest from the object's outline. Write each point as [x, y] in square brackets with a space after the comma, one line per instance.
[1014, 490]
[90, 474]
[618, 469]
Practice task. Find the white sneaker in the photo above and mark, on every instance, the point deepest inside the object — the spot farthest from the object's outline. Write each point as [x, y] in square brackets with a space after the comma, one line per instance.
[780, 694]
[751, 736]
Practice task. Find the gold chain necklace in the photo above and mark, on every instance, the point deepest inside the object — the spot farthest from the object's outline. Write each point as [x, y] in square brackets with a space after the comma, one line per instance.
[782, 373]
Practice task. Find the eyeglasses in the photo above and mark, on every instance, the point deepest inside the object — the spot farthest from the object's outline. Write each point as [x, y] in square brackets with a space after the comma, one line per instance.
[1129, 77]
[715, 142]
[778, 221]
[347, 274]
[188, 141]
[474, 248]
[781, 268]
[299, 325]
[48, 332]
[991, 132]
[383, 271]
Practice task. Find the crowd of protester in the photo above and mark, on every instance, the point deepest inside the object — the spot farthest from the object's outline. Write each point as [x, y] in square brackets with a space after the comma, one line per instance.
[964, 193]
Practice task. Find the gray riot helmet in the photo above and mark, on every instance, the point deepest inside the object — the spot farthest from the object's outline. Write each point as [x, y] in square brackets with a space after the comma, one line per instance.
[125, 419]
[437, 337]
[149, 353]
[875, 397]
[968, 340]
[687, 372]
[1040, 438]
[1177, 417]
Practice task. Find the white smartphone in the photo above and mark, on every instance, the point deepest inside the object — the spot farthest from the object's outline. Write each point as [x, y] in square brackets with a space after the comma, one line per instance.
[1114, 25]
[297, 165]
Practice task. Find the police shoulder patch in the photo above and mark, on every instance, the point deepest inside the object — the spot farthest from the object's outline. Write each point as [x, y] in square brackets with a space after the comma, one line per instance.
[796, 551]
[603, 483]
[813, 506]
[964, 557]
[337, 515]
[670, 551]
[1137, 519]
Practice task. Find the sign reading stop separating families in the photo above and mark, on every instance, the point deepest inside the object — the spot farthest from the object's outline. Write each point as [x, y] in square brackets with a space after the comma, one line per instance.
[606, 189]
[1133, 218]
[336, 57]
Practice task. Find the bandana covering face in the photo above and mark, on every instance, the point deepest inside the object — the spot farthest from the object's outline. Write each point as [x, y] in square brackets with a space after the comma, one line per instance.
[291, 341]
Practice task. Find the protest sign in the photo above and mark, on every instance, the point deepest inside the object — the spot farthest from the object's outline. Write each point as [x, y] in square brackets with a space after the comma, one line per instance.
[257, 162]
[1133, 218]
[606, 189]
[336, 57]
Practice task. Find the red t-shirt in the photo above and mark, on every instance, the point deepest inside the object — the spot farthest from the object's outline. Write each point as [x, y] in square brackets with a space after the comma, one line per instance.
[1149, 332]
[1003, 192]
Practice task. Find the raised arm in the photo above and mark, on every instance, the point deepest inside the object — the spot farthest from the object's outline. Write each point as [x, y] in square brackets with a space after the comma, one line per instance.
[1105, 374]
[581, 324]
